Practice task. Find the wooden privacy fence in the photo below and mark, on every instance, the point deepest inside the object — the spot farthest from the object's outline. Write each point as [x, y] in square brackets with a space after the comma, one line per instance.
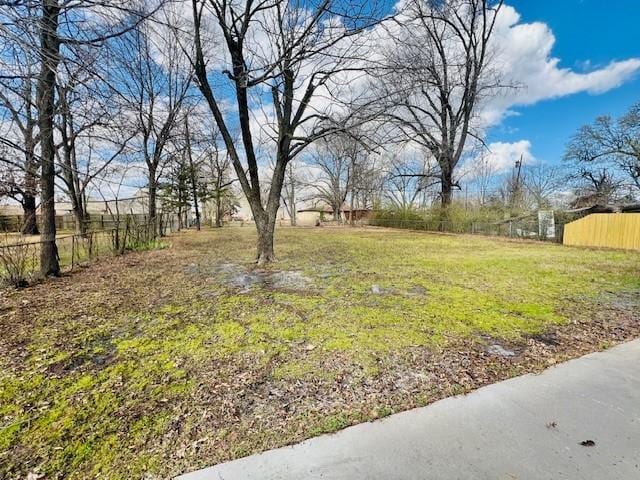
[611, 230]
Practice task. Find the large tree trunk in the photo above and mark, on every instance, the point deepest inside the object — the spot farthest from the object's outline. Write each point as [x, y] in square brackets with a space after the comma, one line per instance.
[265, 228]
[30, 222]
[49, 53]
[446, 196]
[29, 219]
[446, 182]
[336, 212]
[265, 218]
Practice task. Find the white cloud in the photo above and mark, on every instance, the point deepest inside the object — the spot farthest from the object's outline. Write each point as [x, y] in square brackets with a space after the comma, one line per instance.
[524, 59]
[502, 156]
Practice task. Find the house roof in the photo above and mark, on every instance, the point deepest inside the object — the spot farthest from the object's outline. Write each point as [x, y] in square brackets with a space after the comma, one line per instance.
[316, 209]
[629, 207]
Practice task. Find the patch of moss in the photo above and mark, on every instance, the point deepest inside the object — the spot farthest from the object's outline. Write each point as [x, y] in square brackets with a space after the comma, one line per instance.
[332, 423]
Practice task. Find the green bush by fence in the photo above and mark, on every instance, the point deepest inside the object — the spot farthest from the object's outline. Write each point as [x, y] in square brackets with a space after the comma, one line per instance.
[456, 220]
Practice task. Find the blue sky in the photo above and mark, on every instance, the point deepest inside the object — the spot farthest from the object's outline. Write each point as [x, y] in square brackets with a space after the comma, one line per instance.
[589, 35]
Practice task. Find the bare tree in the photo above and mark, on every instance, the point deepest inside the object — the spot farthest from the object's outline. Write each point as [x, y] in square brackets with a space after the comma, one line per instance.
[153, 80]
[49, 60]
[92, 130]
[292, 183]
[295, 50]
[18, 105]
[407, 178]
[216, 178]
[512, 190]
[542, 183]
[193, 171]
[484, 176]
[367, 186]
[615, 143]
[436, 75]
[595, 187]
[56, 40]
[333, 158]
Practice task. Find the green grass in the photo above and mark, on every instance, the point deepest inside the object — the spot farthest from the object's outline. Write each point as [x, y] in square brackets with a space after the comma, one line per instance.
[154, 363]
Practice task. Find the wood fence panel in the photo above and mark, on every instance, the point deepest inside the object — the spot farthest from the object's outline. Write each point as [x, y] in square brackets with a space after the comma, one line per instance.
[609, 230]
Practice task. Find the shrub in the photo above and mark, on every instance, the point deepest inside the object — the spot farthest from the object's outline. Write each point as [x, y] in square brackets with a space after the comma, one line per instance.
[15, 261]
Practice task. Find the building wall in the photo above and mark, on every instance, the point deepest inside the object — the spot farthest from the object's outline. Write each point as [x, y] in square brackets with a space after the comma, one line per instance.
[307, 219]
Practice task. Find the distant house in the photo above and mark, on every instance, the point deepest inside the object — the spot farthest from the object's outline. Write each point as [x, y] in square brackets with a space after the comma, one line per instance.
[357, 214]
[10, 209]
[310, 216]
[306, 217]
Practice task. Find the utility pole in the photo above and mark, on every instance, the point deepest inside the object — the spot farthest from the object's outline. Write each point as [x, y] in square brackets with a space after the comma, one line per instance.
[516, 188]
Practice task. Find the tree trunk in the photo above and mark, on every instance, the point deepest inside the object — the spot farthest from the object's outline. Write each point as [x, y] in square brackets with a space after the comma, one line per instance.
[446, 182]
[265, 229]
[218, 209]
[82, 220]
[192, 174]
[197, 208]
[153, 190]
[292, 206]
[30, 222]
[351, 208]
[336, 212]
[80, 213]
[292, 197]
[293, 220]
[49, 53]
[29, 219]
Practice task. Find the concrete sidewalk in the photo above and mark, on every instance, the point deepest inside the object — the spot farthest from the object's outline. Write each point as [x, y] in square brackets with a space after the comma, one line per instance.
[526, 428]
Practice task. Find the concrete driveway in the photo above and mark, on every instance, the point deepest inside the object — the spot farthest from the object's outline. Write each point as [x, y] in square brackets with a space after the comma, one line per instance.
[579, 420]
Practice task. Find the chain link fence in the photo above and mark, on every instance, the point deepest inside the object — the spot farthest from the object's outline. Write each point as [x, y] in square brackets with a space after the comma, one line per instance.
[20, 261]
[526, 228]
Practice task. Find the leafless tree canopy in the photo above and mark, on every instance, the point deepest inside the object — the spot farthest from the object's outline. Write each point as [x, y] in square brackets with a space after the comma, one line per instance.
[435, 75]
[293, 51]
[612, 142]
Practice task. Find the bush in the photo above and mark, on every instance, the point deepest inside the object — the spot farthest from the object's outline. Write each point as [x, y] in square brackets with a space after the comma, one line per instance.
[15, 261]
[455, 219]
[396, 218]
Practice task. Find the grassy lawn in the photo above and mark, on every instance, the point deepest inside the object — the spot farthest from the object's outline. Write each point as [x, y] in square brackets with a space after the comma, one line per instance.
[161, 362]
